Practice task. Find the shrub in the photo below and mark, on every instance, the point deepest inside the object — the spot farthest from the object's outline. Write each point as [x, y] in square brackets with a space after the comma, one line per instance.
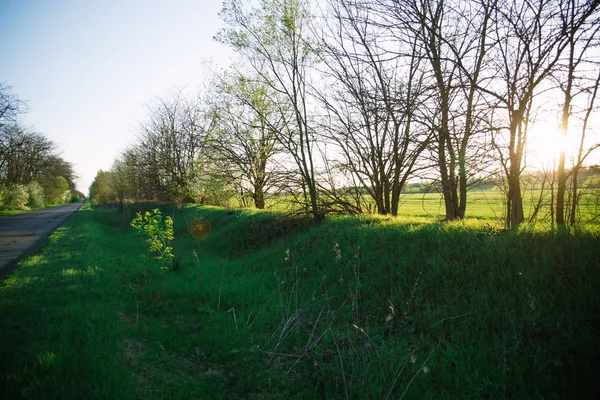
[15, 197]
[157, 230]
[74, 197]
[36, 195]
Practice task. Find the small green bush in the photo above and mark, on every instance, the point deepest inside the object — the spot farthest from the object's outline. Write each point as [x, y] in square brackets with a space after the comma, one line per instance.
[36, 195]
[157, 230]
[74, 197]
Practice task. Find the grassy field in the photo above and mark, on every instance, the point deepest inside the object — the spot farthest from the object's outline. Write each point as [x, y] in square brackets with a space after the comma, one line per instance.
[269, 307]
[489, 204]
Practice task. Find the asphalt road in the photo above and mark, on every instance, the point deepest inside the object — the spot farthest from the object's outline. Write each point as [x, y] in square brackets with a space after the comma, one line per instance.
[25, 233]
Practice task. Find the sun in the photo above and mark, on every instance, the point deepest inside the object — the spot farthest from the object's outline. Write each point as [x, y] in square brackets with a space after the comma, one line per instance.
[544, 145]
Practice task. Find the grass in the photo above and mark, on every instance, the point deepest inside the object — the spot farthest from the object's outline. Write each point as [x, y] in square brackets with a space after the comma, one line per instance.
[272, 307]
[5, 213]
[482, 204]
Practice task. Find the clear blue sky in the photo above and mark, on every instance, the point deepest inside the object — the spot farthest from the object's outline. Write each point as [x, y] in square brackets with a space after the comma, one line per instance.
[87, 67]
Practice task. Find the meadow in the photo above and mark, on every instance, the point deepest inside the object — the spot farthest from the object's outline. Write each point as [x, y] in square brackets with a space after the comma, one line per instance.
[273, 307]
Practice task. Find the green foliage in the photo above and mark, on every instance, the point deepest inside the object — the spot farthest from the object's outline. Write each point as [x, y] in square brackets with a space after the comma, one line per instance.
[74, 197]
[157, 231]
[58, 191]
[102, 190]
[15, 197]
[36, 195]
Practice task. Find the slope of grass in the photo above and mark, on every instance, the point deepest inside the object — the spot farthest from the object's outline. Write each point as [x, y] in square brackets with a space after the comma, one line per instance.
[270, 307]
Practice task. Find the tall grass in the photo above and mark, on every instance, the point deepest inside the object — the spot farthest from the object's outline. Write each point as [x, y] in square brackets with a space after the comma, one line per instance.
[272, 307]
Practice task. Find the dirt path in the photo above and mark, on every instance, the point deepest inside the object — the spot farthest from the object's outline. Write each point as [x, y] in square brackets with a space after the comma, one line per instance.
[25, 233]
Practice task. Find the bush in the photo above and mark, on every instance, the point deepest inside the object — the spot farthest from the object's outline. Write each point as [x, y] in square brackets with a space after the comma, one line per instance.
[74, 197]
[15, 197]
[157, 231]
[36, 195]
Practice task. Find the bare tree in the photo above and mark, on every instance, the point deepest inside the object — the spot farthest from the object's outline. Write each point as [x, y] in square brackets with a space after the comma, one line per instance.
[245, 136]
[371, 103]
[452, 39]
[169, 145]
[583, 152]
[529, 43]
[10, 108]
[272, 39]
[581, 34]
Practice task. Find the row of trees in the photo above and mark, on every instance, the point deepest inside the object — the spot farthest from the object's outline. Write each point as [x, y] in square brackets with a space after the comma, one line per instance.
[327, 104]
[32, 173]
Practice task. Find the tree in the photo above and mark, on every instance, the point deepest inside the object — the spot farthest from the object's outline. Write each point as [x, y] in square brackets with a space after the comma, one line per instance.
[530, 41]
[121, 181]
[14, 197]
[244, 143]
[102, 190]
[169, 145]
[36, 195]
[451, 39]
[29, 158]
[371, 102]
[10, 108]
[581, 34]
[56, 194]
[582, 152]
[273, 41]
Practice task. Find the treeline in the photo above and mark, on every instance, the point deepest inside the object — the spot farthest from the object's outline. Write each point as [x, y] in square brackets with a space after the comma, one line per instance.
[336, 105]
[32, 173]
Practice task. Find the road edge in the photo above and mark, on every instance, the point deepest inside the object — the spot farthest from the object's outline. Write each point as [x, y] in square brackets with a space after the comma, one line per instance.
[37, 246]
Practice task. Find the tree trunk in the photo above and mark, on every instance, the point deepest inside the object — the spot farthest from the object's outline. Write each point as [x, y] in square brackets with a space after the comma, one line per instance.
[515, 200]
[573, 211]
[561, 190]
[318, 215]
[462, 186]
[259, 199]
[446, 183]
[395, 198]
[564, 126]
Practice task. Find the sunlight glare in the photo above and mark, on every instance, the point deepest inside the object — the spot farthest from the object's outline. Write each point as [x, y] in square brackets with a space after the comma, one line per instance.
[544, 144]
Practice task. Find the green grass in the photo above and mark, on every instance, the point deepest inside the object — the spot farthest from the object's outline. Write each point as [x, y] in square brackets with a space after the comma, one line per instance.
[4, 213]
[267, 307]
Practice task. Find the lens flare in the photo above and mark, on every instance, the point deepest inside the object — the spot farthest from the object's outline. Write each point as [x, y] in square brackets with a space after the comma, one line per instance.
[200, 228]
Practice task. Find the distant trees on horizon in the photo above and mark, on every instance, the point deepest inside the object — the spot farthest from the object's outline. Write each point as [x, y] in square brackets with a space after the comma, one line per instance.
[32, 173]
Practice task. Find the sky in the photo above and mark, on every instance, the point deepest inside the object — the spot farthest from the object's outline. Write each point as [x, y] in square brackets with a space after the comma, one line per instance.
[88, 68]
